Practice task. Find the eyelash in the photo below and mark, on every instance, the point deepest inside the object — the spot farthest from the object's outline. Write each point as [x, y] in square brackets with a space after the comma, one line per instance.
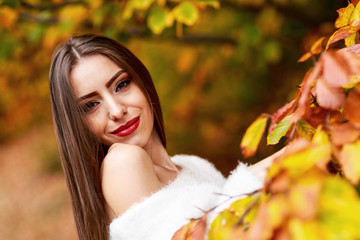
[119, 86]
[122, 84]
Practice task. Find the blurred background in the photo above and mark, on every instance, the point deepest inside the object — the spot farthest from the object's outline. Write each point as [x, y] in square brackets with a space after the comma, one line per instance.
[217, 66]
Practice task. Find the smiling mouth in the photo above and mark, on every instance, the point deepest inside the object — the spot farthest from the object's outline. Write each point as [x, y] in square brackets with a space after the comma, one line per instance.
[128, 128]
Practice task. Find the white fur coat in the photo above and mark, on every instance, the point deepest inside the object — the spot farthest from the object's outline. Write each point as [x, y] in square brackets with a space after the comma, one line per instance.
[159, 216]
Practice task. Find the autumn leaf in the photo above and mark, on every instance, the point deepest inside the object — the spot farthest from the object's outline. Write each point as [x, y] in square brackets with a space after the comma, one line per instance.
[304, 129]
[280, 130]
[309, 230]
[321, 139]
[305, 92]
[340, 34]
[339, 210]
[186, 13]
[281, 113]
[316, 48]
[194, 230]
[336, 71]
[349, 41]
[350, 161]
[252, 137]
[159, 19]
[354, 20]
[304, 195]
[329, 97]
[344, 16]
[351, 108]
[343, 134]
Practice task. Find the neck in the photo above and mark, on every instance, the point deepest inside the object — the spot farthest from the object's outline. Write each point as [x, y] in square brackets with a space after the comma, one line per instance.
[158, 153]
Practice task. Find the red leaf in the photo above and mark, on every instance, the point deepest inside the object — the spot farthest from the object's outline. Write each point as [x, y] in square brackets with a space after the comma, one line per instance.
[336, 72]
[328, 96]
[194, 230]
[305, 94]
[343, 134]
[354, 2]
[281, 113]
[352, 108]
[339, 34]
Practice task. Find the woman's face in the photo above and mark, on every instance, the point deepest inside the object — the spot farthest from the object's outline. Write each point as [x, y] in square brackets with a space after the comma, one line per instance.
[116, 108]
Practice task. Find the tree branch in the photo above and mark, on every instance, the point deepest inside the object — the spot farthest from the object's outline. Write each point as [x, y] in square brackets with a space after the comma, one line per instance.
[51, 6]
[285, 10]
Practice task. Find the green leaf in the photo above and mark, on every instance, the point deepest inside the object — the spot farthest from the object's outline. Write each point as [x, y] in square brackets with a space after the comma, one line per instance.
[252, 137]
[304, 129]
[186, 13]
[159, 19]
[279, 131]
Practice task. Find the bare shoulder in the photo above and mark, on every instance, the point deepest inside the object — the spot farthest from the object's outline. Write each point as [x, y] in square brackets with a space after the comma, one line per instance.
[127, 177]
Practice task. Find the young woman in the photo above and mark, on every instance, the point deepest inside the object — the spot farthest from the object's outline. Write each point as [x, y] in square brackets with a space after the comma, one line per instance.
[110, 133]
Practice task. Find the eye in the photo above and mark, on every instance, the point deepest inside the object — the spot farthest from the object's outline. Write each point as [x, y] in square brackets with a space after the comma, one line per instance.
[90, 106]
[122, 84]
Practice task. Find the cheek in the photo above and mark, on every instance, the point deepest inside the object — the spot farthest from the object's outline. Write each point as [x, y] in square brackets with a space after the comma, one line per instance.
[96, 125]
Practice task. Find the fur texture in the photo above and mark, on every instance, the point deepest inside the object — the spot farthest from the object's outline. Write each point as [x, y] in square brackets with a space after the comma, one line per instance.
[159, 216]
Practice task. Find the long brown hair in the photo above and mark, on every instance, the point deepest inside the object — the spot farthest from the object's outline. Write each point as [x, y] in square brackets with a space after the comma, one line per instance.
[81, 152]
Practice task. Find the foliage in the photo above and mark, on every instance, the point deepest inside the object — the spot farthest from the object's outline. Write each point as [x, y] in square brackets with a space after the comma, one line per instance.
[310, 189]
[210, 73]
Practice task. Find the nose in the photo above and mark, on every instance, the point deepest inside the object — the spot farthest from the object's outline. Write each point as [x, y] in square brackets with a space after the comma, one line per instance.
[115, 109]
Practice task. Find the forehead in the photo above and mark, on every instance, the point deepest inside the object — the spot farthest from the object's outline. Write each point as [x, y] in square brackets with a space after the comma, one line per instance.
[92, 73]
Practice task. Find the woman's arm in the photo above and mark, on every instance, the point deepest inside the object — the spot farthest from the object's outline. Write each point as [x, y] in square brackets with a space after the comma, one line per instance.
[128, 176]
[260, 168]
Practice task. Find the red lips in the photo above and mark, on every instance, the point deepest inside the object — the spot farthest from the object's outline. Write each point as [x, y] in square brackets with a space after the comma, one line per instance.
[128, 128]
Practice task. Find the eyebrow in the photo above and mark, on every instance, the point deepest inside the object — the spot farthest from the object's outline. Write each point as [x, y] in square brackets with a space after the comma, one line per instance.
[108, 84]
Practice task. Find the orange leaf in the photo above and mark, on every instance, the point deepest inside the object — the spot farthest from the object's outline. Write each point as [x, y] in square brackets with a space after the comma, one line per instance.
[352, 49]
[329, 97]
[350, 161]
[305, 57]
[339, 34]
[351, 108]
[194, 230]
[354, 2]
[252, 137]
[305, 94]
[343, 134]
[316, 48]
[344, 16]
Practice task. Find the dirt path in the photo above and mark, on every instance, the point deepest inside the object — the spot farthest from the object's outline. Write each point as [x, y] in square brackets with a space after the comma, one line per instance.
[34, 203]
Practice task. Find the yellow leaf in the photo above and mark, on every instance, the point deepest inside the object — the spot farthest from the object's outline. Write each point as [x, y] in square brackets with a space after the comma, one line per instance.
[300, 230]
[304, 129]
[354, 20]
[186, 13]
[317, 46]
[344, 16]
[304, 156]
[350, 161]
[252, 137]
[279, 131]
[221, 227]
[304, 195]
[339, 210]
[349, 41]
